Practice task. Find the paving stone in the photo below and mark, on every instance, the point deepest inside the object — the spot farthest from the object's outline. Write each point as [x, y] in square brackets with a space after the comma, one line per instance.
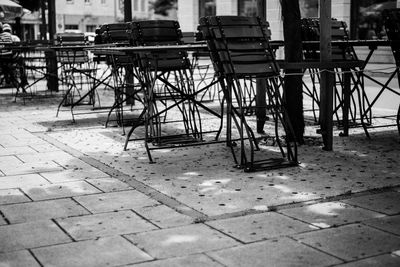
[19, 181]
[388, 202]
[74, 164]
[109, 184]
[60, 190]
[181, 241]
[108, 251]
[386, 260]
[17, 258]
[389, 224]
[164, 217]
[2, 221]
[73, 175]
[27, 168]
[42, 210]
[280, 252]
[199, 260]
[330, 214]
[114, 201]
[43, 147]
[260, 226]
[351, 242]
[105, 224]
[11, 196]
[8, 151]
[24, 142]
[48, 156]
[7, 160]
[30, 235]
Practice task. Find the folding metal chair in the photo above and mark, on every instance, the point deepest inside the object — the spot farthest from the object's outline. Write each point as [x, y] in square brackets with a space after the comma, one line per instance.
[241, 54]
[123, 68]
[78, 71]
[167, 82]
[391, 19]
[342, 52]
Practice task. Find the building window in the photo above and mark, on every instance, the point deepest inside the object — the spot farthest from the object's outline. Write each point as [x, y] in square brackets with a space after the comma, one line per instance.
[248, 8]
[207, 8]
[71, 26]
[90, 28]
[309, 8]
[88, 2]
[368, 18]
[136, 5]
[70, 1]
[143, 5]
[103, 2]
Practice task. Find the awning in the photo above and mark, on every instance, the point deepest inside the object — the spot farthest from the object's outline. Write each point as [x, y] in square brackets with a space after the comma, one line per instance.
[9, 10]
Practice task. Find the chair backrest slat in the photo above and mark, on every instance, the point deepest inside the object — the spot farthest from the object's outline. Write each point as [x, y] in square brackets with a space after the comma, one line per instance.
[159, 32]
[311, 32]
[71, 55]
[239, 46]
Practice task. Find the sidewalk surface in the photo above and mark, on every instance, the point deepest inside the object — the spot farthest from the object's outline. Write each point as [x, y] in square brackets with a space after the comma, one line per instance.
[70, 196]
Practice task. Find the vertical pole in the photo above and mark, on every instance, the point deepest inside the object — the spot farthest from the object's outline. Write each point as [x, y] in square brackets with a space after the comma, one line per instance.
[261, 100]
[43, 28]
[51, 5]
[354, 15]
[327, 76]
[127, 10]
[52, 78]
[129, 71]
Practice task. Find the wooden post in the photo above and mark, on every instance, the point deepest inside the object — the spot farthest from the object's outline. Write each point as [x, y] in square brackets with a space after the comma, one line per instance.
[327, 76]
[261, 100]
[129, 79]
[292, 85]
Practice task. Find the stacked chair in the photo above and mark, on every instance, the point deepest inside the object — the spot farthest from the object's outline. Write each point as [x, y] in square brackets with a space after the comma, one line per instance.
[391, 19]
[241, 54]
[167, 80]
[78, 71]
[123, 70]
[342, 52]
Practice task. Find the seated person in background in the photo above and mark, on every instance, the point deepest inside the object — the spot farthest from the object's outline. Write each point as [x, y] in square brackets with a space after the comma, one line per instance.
[12, 59]
[8, 31]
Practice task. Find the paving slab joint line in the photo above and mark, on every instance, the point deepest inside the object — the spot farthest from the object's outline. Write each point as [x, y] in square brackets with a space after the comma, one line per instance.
[139, 186]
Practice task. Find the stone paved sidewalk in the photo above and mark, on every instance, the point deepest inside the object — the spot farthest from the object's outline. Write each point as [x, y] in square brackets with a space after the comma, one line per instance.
[70, 196]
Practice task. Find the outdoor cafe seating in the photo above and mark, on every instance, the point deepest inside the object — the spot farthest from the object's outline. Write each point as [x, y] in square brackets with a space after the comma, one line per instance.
[167, 82]
[77, 71]
[123, 67]
[239, 48]
[342, 51]
[391, 19]
[12, 68]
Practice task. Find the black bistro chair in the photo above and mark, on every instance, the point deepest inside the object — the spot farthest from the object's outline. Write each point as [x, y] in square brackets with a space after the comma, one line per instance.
[341, 52]
[391, 19]
[240, 51]
[77, 71]
[123, 69]
[167, 81]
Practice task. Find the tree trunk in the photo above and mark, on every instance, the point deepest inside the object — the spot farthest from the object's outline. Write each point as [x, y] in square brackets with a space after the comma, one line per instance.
[292, 89]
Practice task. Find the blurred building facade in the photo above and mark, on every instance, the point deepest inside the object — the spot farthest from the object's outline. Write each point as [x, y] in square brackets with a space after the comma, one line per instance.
[86, 15]
[367, 13]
